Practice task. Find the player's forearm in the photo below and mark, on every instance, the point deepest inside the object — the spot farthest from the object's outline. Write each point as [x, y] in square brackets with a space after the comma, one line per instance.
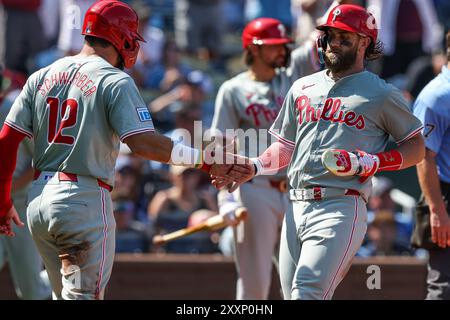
[276, 157]
[429, 183]
[406, 155]
[151, 146]
[412, 151]
[156, 147]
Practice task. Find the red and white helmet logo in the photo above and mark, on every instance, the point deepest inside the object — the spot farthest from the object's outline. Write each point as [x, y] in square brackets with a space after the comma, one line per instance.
[282, 30]
[336, 13]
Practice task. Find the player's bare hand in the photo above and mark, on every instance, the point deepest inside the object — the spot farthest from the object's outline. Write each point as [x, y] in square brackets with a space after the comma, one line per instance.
[241, 171]
[6, 222]
[440, 228]
[220, 170]
[231, 219]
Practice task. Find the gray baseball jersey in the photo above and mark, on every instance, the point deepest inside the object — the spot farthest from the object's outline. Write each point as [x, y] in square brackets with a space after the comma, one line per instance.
[77, 110]
[321, 236]
[243, 103]
[58, 105]
[320, 114]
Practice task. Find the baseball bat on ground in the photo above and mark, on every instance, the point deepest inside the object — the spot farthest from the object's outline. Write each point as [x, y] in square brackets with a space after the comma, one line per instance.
[211, 224]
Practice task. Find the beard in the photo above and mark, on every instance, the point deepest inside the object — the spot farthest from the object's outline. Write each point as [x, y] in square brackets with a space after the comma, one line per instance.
[338, 62]
[280, 61]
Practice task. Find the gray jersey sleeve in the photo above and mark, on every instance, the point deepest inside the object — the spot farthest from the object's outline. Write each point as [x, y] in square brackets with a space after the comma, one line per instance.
[21, 115]
[226, 116]
[127, 112]
[285, 126]
[397, 119]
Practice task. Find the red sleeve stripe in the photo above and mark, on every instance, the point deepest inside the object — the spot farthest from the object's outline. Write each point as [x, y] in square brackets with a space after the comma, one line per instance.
[409, 136]
[133, 132]
[15, 127]
[282, 140]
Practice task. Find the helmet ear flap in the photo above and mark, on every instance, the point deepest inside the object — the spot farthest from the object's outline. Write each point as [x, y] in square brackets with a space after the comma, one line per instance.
[321, 44]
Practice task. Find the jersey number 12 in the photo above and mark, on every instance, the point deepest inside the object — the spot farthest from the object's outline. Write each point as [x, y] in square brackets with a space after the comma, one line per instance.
[67, 113]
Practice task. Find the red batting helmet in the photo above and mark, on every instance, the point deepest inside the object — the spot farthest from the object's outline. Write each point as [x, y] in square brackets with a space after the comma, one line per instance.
[352, 18]
[117, 23]
[264, 31]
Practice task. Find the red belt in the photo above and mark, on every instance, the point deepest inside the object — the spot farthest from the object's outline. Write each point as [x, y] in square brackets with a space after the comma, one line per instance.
[63, 176]
[351, 192]
[280, 185]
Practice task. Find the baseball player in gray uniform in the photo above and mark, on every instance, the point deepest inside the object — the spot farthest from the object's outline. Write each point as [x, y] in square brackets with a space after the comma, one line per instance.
[78, 110]
[30, 281]
[252, 100]
[325, 117]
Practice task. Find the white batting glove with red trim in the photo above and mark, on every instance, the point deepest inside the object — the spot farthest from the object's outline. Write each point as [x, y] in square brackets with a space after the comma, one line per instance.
[344, 163]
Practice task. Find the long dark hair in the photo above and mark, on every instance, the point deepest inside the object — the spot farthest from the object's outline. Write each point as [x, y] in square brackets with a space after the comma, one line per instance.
[374, 50]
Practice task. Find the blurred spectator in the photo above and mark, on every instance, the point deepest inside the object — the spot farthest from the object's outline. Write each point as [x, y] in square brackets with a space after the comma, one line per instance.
[131, 235]
[10, 81]
[166, 75]
[24, 36]
[421, 71]
[185, 118]
[171, 209]
[189, 94]
[408, 29]
[70, 39]
[381, 200]
[149, 176]
[199, 27]
[50, 19]
[234, 14]
[382, 237]
[126, 184]
[151, 51]
[203, 241]
[306, 13]
[280, 10]
[443, 12]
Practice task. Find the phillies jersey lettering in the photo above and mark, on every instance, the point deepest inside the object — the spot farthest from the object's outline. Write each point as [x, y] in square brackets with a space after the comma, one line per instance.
[359, 111]
[331, 111]
[261, 113]
[77, 110]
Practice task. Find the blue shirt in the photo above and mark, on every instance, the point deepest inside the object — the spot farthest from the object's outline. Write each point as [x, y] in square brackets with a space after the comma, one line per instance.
[432, 107]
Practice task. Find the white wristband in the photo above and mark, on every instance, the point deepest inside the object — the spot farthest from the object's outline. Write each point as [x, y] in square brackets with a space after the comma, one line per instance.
[259, 166]
[183, 155]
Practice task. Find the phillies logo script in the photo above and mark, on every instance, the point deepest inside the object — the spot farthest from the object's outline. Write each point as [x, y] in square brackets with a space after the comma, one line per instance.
[257, 110]
[331, 111]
